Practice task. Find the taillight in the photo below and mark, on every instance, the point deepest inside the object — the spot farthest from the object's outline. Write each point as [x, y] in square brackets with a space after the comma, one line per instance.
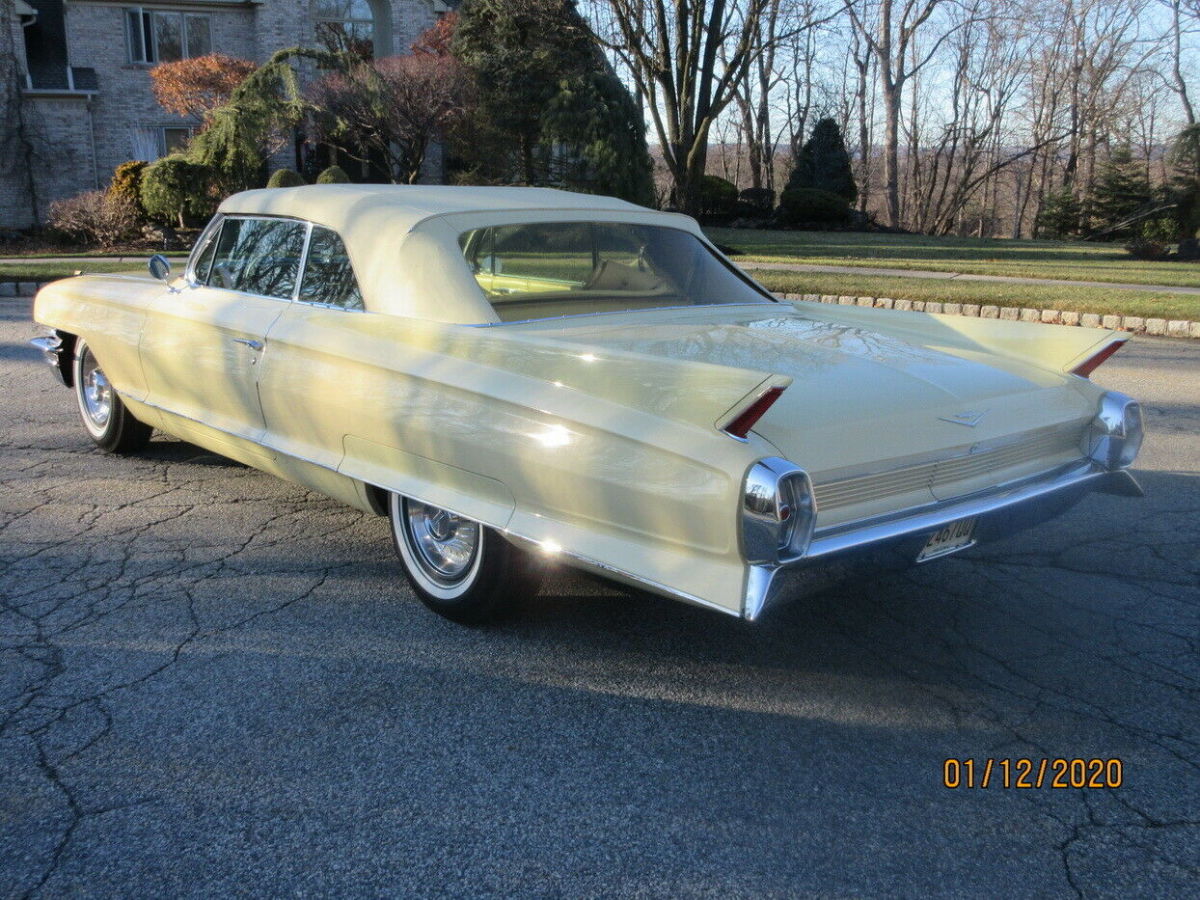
[1115, 435]
[740, 426]
[1089, 365]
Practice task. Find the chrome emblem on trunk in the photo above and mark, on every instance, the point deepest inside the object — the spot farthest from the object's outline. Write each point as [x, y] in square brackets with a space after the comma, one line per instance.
[969, 417]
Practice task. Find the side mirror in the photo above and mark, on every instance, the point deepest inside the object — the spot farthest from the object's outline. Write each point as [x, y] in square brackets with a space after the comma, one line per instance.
[160, 267]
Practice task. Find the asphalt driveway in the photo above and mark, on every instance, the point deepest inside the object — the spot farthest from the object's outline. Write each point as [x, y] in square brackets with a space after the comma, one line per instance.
[213, 682]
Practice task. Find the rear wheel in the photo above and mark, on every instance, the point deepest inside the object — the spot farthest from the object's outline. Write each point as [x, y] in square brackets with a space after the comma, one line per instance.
[108, 422]
[459, 568]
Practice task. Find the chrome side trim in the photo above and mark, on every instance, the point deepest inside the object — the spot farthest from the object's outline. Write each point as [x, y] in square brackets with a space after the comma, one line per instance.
[303, 264]
[613, 312]
[577, 560]
[616, 573]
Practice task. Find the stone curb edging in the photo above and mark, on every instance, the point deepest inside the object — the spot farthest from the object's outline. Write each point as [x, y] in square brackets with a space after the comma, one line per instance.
[21, 288]
[1136, 324]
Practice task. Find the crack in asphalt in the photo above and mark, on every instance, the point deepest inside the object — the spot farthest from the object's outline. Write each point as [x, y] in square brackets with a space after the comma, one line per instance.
[1006, 643]
[68, 601]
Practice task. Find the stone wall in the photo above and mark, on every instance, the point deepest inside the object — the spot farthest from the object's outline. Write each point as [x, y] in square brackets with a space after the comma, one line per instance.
[125, 103]
[80, 140]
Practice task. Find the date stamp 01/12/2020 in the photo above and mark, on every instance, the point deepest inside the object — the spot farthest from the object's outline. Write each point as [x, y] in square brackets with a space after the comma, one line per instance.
[1023, 773]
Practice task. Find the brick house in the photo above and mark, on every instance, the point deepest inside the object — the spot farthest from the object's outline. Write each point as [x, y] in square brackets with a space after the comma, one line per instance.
[75, 92]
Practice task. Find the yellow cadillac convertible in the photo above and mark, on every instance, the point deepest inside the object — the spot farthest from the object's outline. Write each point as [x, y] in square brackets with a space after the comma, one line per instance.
[516, 374]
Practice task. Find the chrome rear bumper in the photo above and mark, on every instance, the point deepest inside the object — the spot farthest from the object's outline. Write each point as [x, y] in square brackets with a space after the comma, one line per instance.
[999, 511]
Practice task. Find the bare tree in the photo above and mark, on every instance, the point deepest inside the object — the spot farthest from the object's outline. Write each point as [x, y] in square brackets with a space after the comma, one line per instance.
[972, 112]
[685, 57]
[752, 97]
[1180, 11]
[988, 50]
[860, 105]
[1107, 53]
[392, 108]
[890, 29]
[780, 78]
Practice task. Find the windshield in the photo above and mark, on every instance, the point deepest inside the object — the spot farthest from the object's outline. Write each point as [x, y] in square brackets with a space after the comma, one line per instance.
[546, 269]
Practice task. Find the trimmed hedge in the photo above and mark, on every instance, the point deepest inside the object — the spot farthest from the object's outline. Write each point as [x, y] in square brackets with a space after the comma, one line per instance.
[718, 197]
[284, 178]
[333, 175]
[126, 184]
[807, 205]
[176, 190]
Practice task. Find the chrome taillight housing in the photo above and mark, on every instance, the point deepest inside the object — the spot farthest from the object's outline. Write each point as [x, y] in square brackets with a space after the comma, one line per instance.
[1115, 435]
[779, 512]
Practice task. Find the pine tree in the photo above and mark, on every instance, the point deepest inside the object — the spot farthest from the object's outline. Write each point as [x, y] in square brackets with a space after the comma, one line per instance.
[1185, 184]
[601, 129]
[550, 108]
[1060, 215]
[1122, 187]
[824, 164]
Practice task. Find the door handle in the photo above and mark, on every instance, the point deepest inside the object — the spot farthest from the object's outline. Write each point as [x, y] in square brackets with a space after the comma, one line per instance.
[253, 345]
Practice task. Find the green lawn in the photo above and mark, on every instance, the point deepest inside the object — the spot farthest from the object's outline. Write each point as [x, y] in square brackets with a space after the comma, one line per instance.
[1150, 304]
[97, 254]
[1044, 259]
[1075, 261]
[33, 270]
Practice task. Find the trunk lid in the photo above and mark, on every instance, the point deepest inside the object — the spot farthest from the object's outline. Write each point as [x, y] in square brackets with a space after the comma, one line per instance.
[868, 400]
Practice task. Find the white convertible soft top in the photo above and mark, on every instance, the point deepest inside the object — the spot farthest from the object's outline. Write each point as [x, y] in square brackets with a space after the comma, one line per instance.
[403, 239]
[407, 205]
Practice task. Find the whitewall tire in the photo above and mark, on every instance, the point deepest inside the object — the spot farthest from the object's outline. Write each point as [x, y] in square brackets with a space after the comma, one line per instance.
[106, 419]
[459, 568]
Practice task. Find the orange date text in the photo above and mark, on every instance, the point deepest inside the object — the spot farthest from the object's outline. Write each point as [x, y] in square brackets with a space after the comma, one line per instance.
[1024, 774]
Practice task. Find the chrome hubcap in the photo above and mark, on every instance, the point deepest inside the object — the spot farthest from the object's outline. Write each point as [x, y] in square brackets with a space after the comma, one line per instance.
[97, 394]
[444, 544]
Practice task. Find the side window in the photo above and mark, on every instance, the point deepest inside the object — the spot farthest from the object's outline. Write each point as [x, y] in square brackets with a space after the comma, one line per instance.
[258, 256]
[204, 259]
[328, 276]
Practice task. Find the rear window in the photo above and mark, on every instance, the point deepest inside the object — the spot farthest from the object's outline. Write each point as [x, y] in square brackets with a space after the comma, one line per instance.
[538, 270]
[328, 276]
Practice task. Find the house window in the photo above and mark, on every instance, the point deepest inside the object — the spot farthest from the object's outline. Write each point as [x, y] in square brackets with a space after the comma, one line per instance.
[155, 36]
[174, 139]
[346, 26]
[151, 142]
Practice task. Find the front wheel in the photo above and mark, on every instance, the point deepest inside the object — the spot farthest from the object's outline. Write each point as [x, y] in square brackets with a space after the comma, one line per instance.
[108, 422]
[459, 568]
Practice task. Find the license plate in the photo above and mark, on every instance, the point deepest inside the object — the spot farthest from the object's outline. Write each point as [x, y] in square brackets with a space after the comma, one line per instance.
[950, 539]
